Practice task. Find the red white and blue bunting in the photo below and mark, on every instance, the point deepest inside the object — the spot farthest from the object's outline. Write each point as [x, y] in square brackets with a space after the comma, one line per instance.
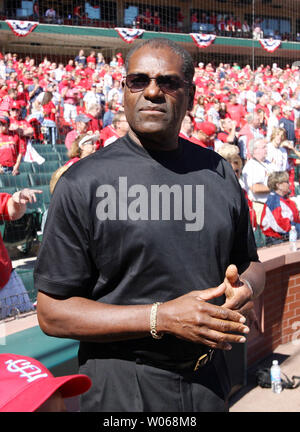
[21, 28]
[270, 45]
[128, 34]
[203, 40]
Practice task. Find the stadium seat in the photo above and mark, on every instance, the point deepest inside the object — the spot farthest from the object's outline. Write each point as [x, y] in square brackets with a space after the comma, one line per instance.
[42, 200]
[26, 167]
[19, 181]
[9, 190]
[260, 238]
[27, 278]
[46, 167]
[53, 156]
[21, 232]
[61, 148]
[37, 179]
[43, 148]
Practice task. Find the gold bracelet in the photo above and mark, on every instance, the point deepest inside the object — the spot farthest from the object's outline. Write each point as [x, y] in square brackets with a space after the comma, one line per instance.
[153, 321]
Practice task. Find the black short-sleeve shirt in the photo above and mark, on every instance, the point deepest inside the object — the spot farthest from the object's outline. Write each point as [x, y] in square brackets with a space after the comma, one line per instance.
[128, 226]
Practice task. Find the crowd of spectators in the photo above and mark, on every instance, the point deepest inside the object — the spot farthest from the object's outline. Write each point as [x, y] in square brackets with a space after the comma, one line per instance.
[254, 114]
[153, 18]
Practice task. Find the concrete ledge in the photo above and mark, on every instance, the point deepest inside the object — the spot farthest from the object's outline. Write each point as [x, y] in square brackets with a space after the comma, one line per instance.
[23, 336]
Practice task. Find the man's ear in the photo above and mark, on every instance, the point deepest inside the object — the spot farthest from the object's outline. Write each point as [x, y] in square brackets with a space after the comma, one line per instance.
[192, 90]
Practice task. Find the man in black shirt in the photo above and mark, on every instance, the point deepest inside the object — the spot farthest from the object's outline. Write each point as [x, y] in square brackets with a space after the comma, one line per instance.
[136, 246]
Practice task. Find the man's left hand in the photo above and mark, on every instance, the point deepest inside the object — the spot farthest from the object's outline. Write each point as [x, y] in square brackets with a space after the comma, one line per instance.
[237, 292]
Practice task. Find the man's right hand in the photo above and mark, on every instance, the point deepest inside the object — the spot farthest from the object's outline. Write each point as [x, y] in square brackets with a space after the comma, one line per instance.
[192, 318]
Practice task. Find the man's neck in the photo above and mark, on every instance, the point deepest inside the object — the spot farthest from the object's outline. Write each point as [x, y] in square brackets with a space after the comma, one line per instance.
[150, 142]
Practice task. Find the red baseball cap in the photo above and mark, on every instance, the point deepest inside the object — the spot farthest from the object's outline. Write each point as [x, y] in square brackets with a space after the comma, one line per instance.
[207, 127]
[25, 384]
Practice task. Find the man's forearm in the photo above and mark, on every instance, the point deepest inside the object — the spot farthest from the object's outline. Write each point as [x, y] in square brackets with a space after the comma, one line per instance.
[15, 209]
[88, 320]
[259, 188]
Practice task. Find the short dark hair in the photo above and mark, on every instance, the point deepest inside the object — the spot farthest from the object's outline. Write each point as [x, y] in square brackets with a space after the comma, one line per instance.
[187, 61]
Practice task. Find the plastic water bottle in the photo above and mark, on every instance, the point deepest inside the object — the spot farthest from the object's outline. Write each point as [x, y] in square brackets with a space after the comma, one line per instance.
[293, 239]
[275, 377]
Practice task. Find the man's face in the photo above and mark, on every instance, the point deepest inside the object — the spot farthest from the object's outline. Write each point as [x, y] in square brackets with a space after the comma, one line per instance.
[122, 126]
[151, 113]
[227, 124]
[14, 113]
[81, 126]
[260, 152]
[187, 125]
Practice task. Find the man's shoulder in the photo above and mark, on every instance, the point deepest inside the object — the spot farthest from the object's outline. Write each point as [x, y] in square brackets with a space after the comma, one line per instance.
[101, 161]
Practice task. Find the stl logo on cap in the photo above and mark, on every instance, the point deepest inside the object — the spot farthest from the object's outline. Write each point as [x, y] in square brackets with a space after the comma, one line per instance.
[21, 366]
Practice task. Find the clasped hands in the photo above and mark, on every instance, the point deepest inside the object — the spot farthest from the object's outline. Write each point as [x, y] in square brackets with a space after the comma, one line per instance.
[191, 317]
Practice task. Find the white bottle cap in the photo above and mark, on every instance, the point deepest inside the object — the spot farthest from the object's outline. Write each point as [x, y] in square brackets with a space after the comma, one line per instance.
[275, 362]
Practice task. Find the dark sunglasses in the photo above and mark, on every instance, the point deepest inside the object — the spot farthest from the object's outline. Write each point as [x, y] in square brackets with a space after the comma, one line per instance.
[167, 83]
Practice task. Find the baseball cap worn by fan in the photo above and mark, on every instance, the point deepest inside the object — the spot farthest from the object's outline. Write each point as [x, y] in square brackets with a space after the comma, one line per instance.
[207, 127]
[25, 384]
[82, 118]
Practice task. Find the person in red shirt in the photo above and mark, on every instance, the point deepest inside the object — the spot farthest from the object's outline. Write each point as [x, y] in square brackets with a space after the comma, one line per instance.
[204, 134]
[147, 18]
[11, 149]
[70, 66]
[235, 111]
[20, 126]
[263, 104]
[120, 59]
[91, 58]
[77, 13]
[13, 294]
[180, 19]
[48, 106]
[95, 123]
[228, 133]
[8, 100]
[81, 126]
[117, 129]
[156, 21]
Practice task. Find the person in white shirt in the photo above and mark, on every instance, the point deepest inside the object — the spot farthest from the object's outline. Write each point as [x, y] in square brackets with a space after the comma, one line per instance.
[59, 72]
[277, 149]
[90, 98]
[50, 14]
[251, 99]
[255, 175]
[273, 121]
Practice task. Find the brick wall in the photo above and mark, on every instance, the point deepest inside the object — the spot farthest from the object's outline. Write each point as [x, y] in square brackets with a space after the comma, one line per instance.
[277, 309]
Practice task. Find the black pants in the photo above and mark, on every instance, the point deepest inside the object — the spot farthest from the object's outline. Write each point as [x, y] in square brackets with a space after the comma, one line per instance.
[126, 386]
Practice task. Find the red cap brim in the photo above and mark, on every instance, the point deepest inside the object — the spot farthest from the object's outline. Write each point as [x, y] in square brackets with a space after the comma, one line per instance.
[31, 397]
